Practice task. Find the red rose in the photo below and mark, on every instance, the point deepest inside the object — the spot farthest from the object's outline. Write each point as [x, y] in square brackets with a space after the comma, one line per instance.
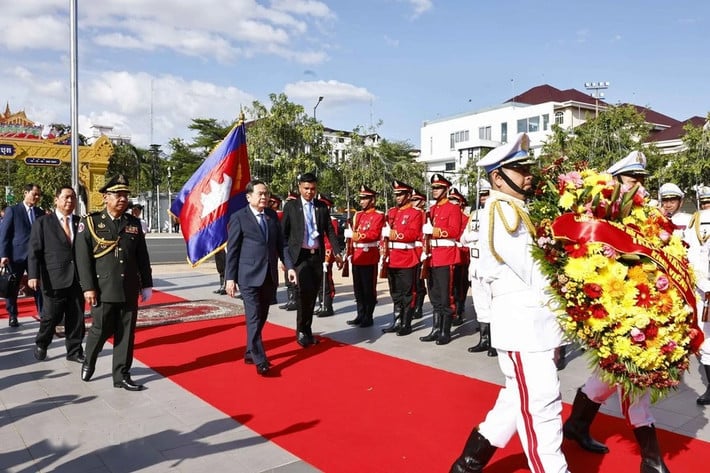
[593, 291]
[598, 311]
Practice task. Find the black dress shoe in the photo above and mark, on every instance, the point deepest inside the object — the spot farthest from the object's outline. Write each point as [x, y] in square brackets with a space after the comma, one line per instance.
[128, 385]
[355, 321]
[366, 323]
[303, 340]
[13, 322]
[87, 371]
[248, 360]
[80, 358]
[40, 353]
[263, 368]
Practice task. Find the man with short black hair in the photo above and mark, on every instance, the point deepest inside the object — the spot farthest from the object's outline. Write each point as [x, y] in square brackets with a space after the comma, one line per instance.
[305, 223]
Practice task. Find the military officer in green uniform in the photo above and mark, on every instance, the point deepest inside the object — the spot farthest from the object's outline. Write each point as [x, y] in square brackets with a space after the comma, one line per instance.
[114, 268]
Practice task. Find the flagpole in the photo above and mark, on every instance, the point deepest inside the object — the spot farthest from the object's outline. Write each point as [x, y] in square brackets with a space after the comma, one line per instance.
[74, 101]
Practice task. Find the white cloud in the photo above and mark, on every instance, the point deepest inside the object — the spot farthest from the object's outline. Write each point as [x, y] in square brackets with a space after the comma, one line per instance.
[391, 41]
[420, 6]
[333, 92]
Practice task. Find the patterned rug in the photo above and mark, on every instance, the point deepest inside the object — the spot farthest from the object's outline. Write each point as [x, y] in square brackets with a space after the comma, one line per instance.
[187, 311]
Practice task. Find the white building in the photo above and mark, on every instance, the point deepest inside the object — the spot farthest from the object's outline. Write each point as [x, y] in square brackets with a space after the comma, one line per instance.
[447, 144]
[340, 140]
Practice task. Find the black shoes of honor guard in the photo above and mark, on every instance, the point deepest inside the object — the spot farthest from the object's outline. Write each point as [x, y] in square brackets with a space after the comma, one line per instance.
[40, 353]
[305, 340]
[13, 321]
[87, 370]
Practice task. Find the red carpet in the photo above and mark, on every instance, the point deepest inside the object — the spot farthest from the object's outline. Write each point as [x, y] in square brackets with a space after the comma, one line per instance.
[26, 305]
[347, 409]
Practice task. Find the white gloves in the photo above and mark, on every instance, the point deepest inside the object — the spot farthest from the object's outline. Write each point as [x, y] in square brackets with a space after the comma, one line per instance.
[386, 231]
[427, 228]
[146, 294]
[348, 233]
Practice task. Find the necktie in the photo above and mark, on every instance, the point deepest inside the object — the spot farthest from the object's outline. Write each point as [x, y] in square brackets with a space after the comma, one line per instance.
[310, 224]
[262, 225]
[31, 215]
[67, 229]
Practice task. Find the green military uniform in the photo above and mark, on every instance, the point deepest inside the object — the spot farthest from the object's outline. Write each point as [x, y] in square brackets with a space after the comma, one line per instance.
[112, 259]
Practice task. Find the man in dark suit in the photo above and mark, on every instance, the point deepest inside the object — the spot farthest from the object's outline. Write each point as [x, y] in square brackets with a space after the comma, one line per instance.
[14, 241]
[51, 268]
[254, 245]
[305, 223]
[114, 268]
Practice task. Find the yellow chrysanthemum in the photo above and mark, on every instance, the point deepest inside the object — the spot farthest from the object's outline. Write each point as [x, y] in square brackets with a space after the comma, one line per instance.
[567, 200]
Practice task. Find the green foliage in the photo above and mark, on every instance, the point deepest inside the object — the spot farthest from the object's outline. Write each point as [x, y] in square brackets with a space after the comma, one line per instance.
[690, 167]
[49, 178]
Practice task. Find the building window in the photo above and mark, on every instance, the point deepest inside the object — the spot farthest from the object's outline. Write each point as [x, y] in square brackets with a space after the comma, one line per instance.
[546, 122]
[450, 167]
[533, 124]
[559, 118]
[522, 125]
[484, 133]
[458, 137]
[504, 132]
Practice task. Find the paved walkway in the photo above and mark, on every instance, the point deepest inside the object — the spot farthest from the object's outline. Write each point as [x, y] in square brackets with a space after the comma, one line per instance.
[51, 421]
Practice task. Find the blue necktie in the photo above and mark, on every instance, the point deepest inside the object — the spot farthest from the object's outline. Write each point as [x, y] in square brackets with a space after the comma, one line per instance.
[310, 224]
[262, 225]
[31, 215]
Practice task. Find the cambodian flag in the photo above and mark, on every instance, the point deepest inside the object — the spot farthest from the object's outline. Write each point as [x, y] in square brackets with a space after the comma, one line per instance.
[211, 195]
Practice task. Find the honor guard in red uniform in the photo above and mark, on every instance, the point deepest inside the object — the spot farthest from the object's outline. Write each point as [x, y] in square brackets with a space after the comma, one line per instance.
[366, 234]
[461, 282]
[291, 303]
[401, 234]
[443, 228]
[418, 200]
[327, 290]
[526, 332]
[275, 204]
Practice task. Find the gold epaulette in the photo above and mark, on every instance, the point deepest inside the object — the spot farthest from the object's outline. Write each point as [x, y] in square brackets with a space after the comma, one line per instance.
[695, 225]
[520, 215]
[103, 246]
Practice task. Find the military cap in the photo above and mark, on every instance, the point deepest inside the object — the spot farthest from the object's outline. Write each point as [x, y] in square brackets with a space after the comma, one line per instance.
[634, 164]
[515, 153]
[669, 191]
[484, 187]
[366, 193]
[400, 187]
[117, 183]
[704, 194]
[275, 199]
[438, 180]
[416, 195]
[326, 199]
[291, 196]
[454, 194]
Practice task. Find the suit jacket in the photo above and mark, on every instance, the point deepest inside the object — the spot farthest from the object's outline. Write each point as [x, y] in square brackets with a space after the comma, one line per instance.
[117, 272]
[51, 257]
[249, 257]
[15, 232]
[293, 224]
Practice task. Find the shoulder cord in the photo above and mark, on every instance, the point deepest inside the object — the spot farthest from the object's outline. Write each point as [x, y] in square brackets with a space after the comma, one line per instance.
[110, 244]
[695, 224]
[520, 214]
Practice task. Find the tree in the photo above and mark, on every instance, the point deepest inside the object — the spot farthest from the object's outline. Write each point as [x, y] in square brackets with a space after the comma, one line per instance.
[283, 142]
[49, 178]
[690, 167]
[376, 166]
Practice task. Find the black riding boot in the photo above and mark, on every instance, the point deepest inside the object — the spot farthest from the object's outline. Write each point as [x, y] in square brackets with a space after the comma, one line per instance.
[484, 344]
[704, 400]
[651, 461]
[291, 303]
[360, 315]
[435, 328]
[458, 318]
[222, 287]
[577, 426]
[396, 321]
[418, 304]
[406, 327]
[477, 452]
[445, 334]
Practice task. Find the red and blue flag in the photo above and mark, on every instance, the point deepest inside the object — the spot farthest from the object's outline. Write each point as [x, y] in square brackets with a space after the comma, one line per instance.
[212, 195]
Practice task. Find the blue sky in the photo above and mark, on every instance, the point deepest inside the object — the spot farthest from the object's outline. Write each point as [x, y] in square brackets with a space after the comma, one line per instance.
[398, 62]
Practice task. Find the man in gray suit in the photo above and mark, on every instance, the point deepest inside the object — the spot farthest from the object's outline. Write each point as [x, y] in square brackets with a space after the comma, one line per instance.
[254, 245]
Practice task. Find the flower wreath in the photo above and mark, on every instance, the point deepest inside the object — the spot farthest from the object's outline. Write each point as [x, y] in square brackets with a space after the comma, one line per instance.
[620, 277]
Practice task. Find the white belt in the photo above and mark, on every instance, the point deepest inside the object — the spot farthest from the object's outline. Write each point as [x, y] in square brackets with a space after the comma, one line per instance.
[398, 245]
[419, 244]
[366, 245]
[442, 242]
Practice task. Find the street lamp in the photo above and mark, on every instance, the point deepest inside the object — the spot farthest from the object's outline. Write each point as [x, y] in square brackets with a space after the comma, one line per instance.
[320, 99]
[595, 87]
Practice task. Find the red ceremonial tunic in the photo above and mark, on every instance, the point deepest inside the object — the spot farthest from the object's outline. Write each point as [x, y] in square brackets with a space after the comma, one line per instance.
[328, 246]
[407, 221]
[366, 236]
[447, 219]
[465, 250]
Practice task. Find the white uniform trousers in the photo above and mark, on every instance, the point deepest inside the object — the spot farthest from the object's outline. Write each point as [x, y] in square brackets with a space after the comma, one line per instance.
[705, 327]
[637, 412]
[529, 403]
